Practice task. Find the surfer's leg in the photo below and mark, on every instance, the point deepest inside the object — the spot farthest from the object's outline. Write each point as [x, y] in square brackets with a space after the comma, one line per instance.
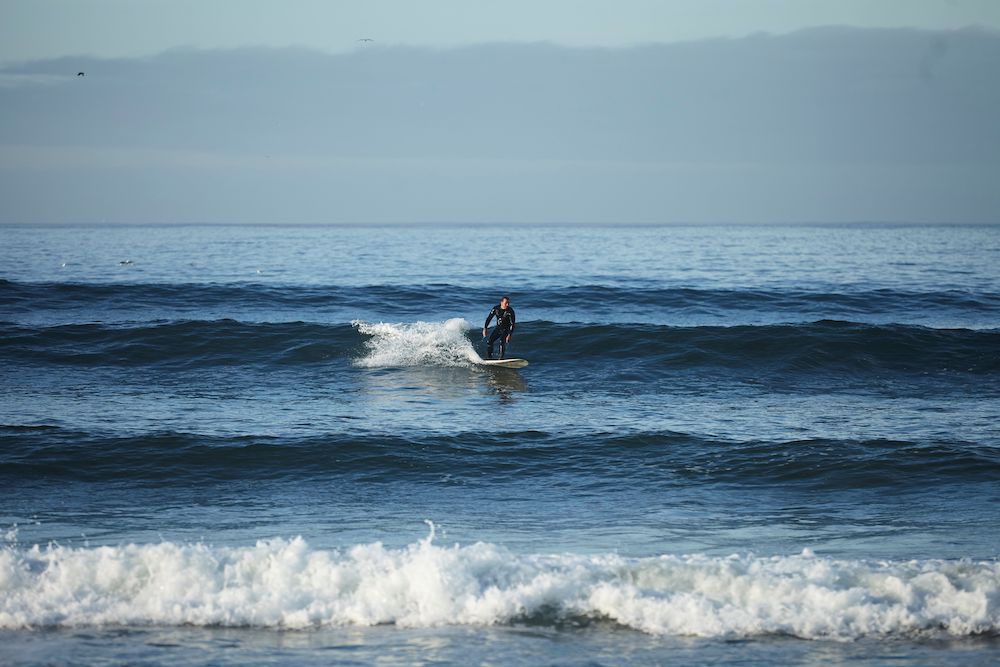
[493, 339]
[500, 335]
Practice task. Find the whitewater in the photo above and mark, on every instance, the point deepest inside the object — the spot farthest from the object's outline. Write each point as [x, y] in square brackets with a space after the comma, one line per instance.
[286, 584]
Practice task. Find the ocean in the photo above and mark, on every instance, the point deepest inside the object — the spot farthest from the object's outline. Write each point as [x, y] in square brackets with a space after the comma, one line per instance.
[733, 445]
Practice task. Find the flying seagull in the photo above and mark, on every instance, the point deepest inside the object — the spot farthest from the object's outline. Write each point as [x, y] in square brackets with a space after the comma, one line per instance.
[366, 39]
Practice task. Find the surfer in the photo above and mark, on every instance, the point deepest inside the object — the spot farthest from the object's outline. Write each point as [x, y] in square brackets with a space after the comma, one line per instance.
[504, 328]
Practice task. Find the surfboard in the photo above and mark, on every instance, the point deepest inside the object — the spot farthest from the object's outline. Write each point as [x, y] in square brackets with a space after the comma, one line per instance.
[503, 363]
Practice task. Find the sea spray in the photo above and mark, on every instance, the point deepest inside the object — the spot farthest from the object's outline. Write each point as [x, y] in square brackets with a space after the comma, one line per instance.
[416, 344]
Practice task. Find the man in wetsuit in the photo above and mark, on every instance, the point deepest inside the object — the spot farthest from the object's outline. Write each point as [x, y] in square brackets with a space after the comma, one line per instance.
[504, 328]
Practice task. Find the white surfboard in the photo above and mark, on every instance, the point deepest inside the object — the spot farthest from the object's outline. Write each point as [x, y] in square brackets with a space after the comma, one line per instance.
[503, 363]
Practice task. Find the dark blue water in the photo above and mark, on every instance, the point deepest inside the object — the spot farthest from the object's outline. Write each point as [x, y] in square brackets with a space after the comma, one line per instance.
[732, 444]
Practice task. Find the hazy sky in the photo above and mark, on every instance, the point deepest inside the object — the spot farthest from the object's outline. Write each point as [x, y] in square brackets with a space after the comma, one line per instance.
[201, 111]
[31, 29]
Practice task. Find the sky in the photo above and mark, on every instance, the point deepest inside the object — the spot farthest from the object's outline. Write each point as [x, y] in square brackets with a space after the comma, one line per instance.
[488, 112]
[33, 29]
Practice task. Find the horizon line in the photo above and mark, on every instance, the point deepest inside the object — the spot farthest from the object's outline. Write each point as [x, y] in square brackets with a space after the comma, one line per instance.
[355, 49]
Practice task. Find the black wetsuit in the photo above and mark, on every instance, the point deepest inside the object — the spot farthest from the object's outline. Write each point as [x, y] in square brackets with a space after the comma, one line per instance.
[504, 328]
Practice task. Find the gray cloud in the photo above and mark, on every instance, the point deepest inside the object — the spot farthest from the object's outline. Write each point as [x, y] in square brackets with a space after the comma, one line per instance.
[824, 124]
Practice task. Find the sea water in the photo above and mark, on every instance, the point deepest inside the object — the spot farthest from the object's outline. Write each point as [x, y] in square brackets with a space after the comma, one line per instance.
[747, 445]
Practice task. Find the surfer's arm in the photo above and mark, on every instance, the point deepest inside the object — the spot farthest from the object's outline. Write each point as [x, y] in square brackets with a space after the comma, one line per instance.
[488, 318]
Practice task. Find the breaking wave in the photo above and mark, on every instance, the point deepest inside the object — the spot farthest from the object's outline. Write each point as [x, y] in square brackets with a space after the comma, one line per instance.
[282, 583]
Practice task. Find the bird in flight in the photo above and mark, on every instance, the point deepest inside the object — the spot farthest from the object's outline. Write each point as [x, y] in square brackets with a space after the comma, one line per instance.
[366, 39]
[80, 74]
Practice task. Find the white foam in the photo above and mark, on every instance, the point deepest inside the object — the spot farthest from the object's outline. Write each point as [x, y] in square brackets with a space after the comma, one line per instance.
[286, 584]
[416, 344]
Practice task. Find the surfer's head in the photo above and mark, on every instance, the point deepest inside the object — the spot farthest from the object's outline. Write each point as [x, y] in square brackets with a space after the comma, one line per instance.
[504, 302]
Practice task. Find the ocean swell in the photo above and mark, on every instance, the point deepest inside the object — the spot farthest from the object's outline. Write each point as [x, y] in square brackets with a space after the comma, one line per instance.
[821, 347]
[655, 458]
[591, 303]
